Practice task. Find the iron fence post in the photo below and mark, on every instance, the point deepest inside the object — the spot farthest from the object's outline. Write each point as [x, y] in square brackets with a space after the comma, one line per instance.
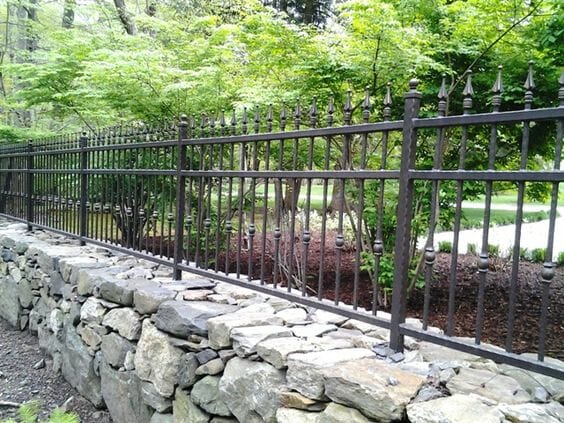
[404, 214]
[180, 196]
[83, 141]
[29, 187]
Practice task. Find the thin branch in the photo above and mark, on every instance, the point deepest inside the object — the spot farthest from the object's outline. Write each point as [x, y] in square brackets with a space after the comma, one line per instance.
[497, 40]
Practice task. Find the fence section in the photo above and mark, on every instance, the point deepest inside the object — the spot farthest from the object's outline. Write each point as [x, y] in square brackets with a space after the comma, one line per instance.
[341, 218]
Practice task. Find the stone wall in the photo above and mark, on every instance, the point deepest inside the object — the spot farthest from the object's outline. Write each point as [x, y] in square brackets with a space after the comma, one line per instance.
[151, 349]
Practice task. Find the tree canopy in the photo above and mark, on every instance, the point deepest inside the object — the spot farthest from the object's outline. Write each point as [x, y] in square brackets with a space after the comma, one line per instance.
[66, 65]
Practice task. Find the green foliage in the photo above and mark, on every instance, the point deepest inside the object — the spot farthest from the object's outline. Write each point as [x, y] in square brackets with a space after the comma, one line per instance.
[445, 247]
[538, 255]
[493, 250]
[472, 249]
[28, 413]
[560, 259]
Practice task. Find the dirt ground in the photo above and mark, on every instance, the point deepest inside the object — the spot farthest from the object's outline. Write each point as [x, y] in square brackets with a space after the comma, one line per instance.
[21, 382]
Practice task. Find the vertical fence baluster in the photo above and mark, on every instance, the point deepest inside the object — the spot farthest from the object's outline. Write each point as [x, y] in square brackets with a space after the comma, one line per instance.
[83, 187]
[29, 187]
[404, 214]
[514, 281]
[180, 196]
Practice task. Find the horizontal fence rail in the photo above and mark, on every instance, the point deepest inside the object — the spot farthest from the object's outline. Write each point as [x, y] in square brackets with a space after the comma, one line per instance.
[338, 217]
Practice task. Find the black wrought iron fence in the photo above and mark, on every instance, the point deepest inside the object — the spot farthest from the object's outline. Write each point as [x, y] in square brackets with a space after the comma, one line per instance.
[341, 218]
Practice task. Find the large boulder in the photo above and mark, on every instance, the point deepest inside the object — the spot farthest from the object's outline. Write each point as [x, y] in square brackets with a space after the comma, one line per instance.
[182, 318]
[337, 413]
[379, 390]
[251, 390]
[157, 360]
[122, 394]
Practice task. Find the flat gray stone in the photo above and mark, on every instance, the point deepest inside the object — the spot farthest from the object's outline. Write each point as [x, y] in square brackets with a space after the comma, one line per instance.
[115, 349]
[184, 410]
[161, 418]
[121, 291]
[122, 395]
[147, 299]
[245, 339]
[496, 387]
[457, 408]
[10, 309]
[292, 315]
[182, 318]
[153, 399]
[305, 370]
[251, 390]
[125, 321]
[78, 367]
[205, 393]
[157, 360]
[291, 415]
[379, 390]
[92, 311]
[212, 367]
[314, 329]
[552, 412]
[337, 413]
[187, 374]
[531, 381]
[219, 328]
[25, 294]
[276, 350]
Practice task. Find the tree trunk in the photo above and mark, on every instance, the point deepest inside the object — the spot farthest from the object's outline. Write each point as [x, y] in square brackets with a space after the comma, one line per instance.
[68, 14]
[125, 17]
[309, 10]
[291, 195]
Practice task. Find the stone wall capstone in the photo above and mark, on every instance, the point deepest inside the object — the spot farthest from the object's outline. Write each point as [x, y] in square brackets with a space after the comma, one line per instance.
[152, 349]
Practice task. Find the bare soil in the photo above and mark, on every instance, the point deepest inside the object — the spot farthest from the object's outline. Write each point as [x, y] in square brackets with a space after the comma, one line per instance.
[20, 382]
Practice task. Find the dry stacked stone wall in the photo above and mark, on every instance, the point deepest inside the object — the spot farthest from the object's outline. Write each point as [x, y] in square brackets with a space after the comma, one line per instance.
[152, 349]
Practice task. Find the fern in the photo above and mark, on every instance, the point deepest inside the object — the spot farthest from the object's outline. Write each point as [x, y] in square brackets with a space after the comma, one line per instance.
[60, 416]
[28, 412]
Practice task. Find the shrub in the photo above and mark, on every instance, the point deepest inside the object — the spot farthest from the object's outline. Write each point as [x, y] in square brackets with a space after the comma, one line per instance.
[472, 248]
[560, 259]
[493, 250]
[524, 254]
[445, 247]
[537, 255]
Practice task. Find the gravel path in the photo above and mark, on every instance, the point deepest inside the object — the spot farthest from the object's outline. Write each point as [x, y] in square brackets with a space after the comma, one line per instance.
[21, 381]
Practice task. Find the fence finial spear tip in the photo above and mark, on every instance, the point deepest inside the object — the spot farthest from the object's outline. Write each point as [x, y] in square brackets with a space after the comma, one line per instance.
[348, 101]
[498, 85]
[443, 94]
[184, 118]
[468, 89]
[366, 102]
[313, 109]
[388, 96]
[530, 82]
